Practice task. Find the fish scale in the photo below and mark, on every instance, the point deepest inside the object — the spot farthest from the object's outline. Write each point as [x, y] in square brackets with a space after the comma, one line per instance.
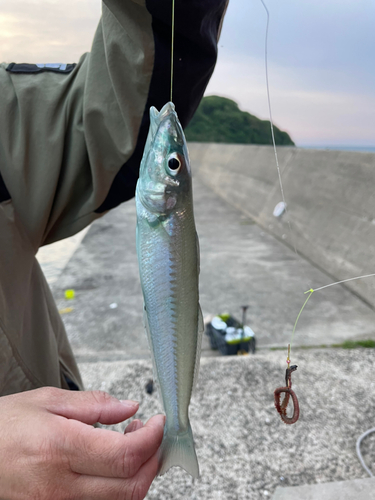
[167, 248]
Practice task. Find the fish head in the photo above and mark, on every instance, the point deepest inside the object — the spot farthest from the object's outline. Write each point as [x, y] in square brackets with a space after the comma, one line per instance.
[165, 175]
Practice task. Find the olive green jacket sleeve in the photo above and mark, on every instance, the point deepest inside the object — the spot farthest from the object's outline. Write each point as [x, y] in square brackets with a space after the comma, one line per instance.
[71, 139]
[64, 136]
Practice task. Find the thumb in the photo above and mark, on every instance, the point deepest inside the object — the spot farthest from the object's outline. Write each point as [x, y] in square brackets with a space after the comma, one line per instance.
[90, 406]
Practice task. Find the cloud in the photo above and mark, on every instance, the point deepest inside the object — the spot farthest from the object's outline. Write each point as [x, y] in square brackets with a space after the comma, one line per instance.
[311, 113]
[322, 76]
[37, 31]
[320, 61]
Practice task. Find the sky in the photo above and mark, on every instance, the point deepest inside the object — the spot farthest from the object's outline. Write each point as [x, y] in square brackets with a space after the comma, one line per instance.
[320, 59]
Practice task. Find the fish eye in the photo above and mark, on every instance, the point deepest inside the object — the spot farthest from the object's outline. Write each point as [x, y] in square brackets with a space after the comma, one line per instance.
[174, 165]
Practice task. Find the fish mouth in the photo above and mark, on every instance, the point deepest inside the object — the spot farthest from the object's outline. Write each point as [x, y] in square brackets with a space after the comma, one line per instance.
[158, 116]
[168, 111]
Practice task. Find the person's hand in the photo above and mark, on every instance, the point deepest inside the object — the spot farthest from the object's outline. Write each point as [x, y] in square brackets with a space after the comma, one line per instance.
[50, 451]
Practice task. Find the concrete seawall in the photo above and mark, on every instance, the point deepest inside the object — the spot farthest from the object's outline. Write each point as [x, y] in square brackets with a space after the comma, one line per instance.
[330, 197]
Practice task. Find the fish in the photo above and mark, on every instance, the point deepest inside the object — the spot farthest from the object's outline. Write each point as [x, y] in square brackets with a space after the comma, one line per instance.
[168, 257]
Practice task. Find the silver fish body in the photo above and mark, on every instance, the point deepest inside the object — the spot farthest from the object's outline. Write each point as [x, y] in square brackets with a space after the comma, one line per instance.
[168, 256]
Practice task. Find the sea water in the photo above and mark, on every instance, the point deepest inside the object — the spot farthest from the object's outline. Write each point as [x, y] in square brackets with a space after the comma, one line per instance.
[362, 149]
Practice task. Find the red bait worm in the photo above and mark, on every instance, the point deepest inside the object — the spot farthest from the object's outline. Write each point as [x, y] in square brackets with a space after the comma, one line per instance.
[287, 390]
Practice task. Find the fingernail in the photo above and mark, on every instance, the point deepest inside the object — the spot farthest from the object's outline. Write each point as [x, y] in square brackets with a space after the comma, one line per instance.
[133, 426]
[161, 420]
[137, 424]
[129, 403]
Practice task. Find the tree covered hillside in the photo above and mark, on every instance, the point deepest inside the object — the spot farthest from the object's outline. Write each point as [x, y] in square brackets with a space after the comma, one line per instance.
[218, 119]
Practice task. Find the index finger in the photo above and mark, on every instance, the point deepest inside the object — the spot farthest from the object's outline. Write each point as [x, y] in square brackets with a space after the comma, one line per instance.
[100, 452]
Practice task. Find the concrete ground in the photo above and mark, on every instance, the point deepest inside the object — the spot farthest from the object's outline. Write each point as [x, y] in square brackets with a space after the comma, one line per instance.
[329, 195]
[240, 264]
[360, 489]
[244, 449]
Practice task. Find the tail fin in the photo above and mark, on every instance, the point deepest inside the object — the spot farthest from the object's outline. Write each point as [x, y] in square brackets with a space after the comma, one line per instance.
[178, 449]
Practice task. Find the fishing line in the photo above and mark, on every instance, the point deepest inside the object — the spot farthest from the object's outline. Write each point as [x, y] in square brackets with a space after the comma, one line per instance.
[312, 290]
[172, 49]
[342, 281]
[273, 134]
[278, 166]
[299, 314]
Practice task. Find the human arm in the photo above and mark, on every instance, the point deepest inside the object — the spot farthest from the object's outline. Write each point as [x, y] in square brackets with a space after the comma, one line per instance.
[71, 143]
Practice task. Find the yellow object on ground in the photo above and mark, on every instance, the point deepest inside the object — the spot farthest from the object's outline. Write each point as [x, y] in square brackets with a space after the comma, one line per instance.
[66, 310]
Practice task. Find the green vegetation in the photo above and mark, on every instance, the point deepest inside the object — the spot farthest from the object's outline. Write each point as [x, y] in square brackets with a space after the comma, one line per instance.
[352, 344]
[218, 119]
